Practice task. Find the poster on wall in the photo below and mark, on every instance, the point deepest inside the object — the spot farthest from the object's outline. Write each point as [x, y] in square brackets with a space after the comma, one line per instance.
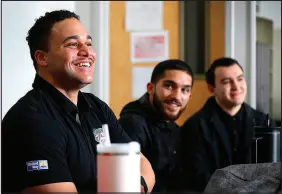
[149, 47]
[143, 15]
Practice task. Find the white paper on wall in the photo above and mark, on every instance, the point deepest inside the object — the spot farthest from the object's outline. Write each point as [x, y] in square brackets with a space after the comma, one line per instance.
[140, 77]
[144, 15]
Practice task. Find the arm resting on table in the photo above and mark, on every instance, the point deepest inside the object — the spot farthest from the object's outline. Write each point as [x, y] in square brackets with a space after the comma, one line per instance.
[53, 187]
[147, 172]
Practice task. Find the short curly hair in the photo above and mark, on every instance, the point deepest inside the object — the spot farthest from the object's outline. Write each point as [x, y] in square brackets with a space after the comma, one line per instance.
[38, 34]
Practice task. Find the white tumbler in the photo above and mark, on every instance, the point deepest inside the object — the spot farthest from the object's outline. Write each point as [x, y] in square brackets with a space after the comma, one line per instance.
[118, 167]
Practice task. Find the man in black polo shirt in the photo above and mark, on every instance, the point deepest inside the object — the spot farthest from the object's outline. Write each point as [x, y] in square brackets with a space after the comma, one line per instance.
[49, 136]
[221, 133]
[151, 120]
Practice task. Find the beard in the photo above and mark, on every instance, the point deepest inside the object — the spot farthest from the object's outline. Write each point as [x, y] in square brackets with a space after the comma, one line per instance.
[157, 103]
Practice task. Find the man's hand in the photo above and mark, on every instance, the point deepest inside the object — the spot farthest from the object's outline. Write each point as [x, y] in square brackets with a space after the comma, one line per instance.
[142, 189]
[147, 173]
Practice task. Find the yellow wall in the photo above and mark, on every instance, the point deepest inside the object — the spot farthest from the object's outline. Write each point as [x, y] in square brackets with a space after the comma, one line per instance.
[121, 67]
[217, 29]
[216, 49]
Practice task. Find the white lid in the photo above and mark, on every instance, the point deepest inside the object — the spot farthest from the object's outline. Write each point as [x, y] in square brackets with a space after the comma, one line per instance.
[119, 148]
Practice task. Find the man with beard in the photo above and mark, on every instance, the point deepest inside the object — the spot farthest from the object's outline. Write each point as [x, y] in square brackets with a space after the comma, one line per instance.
[221, 133]
[150, 120]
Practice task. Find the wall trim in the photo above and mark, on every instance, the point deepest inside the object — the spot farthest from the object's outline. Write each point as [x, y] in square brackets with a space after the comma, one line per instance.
[245, 54]
[253, 63]
[230, 29]
[100, 24]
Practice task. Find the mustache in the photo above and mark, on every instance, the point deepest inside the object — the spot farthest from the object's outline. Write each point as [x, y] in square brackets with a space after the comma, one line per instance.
[173, 100]
[85, 59]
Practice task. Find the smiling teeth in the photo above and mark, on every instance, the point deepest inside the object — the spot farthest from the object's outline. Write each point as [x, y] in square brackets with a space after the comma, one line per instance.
[173, 104]
[83, 65]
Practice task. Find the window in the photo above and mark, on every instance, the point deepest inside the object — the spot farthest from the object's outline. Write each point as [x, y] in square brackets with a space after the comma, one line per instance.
[194, 34]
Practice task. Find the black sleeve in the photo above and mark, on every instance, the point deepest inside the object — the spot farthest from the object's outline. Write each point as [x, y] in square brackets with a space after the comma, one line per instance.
[117, 133]
[261, 119]
[34, 148]
[195, 159]
[135, 127]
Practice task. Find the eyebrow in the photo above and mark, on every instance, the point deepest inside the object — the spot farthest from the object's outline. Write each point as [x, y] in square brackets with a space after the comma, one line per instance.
[172, 82]
[76, 37]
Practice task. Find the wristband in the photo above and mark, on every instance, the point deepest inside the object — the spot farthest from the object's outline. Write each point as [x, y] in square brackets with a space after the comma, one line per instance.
[143, 183]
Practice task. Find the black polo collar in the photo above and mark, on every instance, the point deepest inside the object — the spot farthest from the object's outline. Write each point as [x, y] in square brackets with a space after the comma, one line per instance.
[227, 117]
[212, 107]
[59, 99]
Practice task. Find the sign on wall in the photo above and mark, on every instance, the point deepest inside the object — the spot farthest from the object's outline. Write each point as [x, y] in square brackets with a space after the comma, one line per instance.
[149, 46]
[143, 15]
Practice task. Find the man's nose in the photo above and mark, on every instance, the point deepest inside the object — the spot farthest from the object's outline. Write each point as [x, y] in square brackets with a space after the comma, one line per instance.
[235, 85]
[177, 93]
[84, 50]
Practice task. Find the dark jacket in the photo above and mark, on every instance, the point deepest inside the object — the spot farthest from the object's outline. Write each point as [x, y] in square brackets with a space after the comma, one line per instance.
[206, 146]
[158, 140]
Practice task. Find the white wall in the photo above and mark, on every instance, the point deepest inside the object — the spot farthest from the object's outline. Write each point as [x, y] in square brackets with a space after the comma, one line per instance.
[240, 41]
[1, 63]
[276, 79]
[272, 10]
[238, 22]
[17, 67]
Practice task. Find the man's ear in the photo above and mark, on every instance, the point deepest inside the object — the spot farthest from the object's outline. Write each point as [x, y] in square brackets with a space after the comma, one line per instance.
[41, 58]
[190, 96]
[210, 88]
[151, 91]
[150, 88]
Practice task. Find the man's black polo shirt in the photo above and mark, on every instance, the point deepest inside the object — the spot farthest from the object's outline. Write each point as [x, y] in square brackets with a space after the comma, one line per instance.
[234, 126]
[44, 142]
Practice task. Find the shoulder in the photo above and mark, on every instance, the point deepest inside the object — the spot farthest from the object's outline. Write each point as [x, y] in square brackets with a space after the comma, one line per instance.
[98, 104]
[30, 102]
[94, 100]
[256, 113]
[196, 118]
[133, 117]
[133, 121]
[25, 117]
[24, 110]
[32, 124]
[253, 112]
[258, 117]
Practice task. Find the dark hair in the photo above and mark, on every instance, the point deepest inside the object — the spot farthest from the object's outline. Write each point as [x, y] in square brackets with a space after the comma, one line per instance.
[38, 34]
[220, 62]
[171, 64]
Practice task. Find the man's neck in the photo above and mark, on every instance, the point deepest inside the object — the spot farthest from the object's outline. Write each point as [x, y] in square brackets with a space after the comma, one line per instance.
[229, 110]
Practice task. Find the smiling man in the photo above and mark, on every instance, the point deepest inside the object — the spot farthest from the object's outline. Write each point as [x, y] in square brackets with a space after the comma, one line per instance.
[150, 120]
[48, 136]
[221, 133]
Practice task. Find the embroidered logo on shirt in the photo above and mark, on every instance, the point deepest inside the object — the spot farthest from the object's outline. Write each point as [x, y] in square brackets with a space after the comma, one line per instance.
[99, 135]
[37, 165]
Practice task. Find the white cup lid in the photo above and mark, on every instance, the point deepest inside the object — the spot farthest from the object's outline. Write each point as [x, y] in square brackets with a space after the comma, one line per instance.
[119, 148]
